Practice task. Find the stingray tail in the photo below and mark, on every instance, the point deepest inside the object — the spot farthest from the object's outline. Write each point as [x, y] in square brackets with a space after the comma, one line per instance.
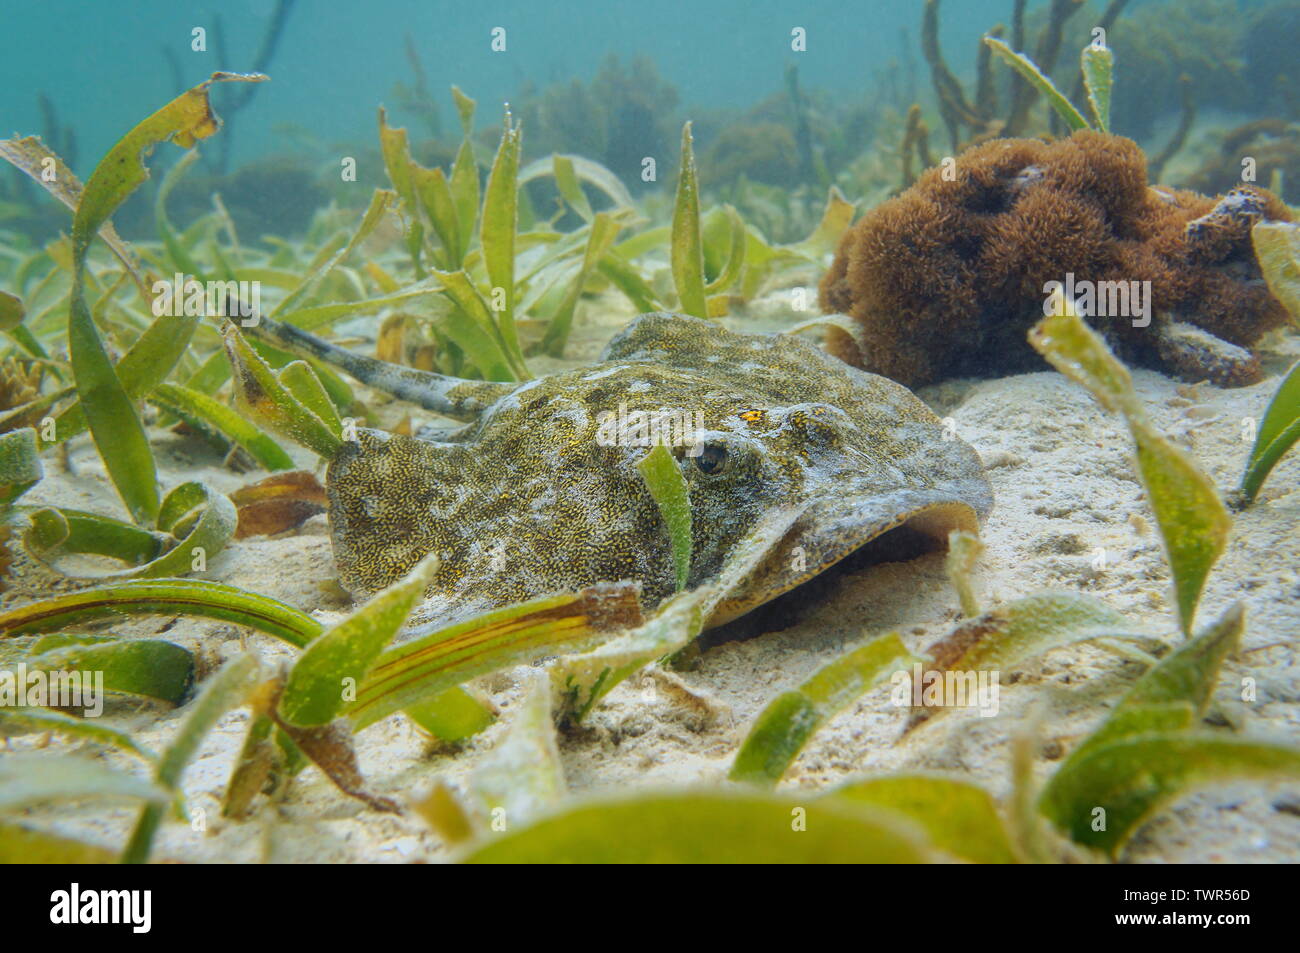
[453, 397]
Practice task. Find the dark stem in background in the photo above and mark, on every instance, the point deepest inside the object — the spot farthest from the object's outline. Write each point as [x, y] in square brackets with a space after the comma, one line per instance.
[423, 101]
[887, 82]
[916, 139]
[232, 100]
[59, 137]
[61, 140]
[802, 130]
[986, 92]
[953, 107]
[1157, 165]
[1019, 88]
[909, 65]
[174, 68]
[1049, 46]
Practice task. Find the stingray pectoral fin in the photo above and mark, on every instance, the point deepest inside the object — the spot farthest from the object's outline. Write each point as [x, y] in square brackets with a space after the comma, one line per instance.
[453, 397]
[387, 498]
[898, 525]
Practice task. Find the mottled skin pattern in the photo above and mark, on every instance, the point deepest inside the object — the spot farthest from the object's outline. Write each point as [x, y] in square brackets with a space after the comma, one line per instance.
[525, 500]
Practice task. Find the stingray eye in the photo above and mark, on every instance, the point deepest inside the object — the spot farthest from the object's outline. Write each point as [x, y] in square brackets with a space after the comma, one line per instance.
[712, 459]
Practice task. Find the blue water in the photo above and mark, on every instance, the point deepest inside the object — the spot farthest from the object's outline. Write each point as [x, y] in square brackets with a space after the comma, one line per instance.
[102, 64]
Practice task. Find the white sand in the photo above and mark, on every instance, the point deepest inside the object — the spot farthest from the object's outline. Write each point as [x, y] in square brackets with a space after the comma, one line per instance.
[1065, 487]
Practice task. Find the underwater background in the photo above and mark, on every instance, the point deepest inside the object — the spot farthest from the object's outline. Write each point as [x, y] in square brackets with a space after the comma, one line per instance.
[609, 81]
[319, 328]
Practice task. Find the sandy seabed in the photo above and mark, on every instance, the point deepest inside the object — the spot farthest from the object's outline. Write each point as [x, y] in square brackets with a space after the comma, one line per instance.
[1065, 487]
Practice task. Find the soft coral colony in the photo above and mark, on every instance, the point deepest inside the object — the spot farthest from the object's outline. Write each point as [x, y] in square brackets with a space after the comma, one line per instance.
[947, 278]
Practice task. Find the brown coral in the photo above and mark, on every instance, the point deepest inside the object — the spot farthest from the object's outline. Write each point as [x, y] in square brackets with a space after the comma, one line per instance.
[946, 279]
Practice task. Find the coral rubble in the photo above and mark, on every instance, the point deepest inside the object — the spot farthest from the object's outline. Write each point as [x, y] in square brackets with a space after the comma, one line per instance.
[946, 279]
